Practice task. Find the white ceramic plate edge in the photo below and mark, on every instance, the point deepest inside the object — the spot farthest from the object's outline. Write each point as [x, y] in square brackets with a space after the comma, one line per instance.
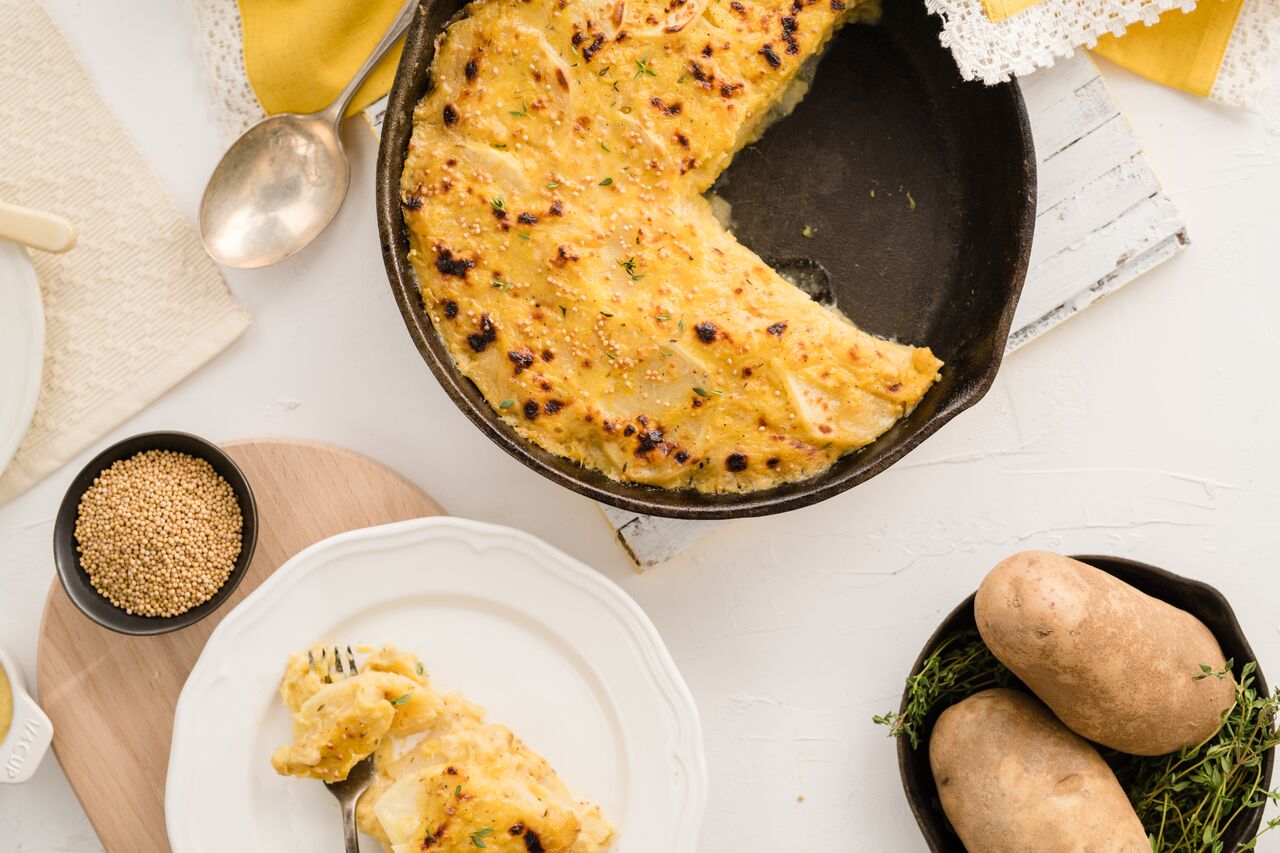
[687, 747]
[30, 317]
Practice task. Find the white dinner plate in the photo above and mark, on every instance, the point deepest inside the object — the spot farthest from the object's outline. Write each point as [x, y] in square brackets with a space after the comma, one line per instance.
[21, 347]
[548, 646]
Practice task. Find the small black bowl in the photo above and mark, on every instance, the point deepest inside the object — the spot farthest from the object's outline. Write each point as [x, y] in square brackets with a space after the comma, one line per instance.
[1199, 599]
[65, 556]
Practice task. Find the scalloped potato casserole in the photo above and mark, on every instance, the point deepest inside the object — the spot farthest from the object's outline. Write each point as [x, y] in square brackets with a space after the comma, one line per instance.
[553, 191]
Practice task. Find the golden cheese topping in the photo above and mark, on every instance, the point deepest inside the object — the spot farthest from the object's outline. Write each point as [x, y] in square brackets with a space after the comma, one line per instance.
[446, 781]
[566, 254]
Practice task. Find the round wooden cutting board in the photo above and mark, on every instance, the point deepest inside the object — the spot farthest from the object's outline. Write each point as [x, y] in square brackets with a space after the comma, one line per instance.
[112, 697]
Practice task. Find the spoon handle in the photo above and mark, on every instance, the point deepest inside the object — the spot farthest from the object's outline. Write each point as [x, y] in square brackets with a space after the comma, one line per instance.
[45, 231]
[335, 111]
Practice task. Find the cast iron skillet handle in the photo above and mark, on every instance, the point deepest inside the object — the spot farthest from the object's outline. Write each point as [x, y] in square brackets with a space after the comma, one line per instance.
[349, 835]
[335, 111]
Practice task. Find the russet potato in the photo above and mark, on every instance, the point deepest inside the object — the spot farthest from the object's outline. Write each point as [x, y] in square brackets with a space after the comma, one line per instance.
[1013, 779]
[1115, 665]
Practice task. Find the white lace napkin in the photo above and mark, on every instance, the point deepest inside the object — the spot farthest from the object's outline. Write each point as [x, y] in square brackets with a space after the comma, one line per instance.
[136, 306]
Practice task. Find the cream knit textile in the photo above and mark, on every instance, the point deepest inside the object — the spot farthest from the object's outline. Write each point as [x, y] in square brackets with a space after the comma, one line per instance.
[136, 306]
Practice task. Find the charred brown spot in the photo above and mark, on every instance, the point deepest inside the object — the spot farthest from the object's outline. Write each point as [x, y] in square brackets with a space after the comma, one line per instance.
[772, 461]
[563, 256]
[894, 387]
[667, 109]
[553, 406]
[447, 263]
[527, 219]
[544, 385]
[432, 838]
[556, 209]
[452, 771]
[629, 430]
[547, 355]
[450, 309]
[609, 426]
[517, 829]
[472, 68]
[770, 57]
[531, 409]
[777, 329]
[700, 74]
[789, 27]
[479, 341]
[451, 162]
[577, 38]
[688, 164]
[837, 6]
[649, 440]
[412, 202]
[498, 212]
[682, 457]
[697, 402]
[591, 49]
[562, 80]
[532, 842]
[522, 359]
[737, 7]
[706, 331]
[746, 372]
[450, 115]
[728, 90]
[706, 50]
[682, 139]
[736, 462]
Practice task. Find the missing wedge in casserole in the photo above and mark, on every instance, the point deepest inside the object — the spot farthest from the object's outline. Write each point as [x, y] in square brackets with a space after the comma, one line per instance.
[445, 780]
[566, 254]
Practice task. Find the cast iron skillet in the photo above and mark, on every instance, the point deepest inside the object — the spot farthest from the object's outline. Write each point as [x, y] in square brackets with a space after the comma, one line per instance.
[1199, 599]
[918, 191]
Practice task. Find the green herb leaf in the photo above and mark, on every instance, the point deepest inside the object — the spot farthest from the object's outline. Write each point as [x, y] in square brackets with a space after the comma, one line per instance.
[500, 284]
[523, 236]
[564, 312]
[497, 203]
[610, 356]
[552, 185]
[477, 837]
[606, 182]
[643, 69]
[629, 266]
[605, 314]
[402, 699]
[420, 667]
[604, 147]
[457, 792]
[507, 403]
[523, 112]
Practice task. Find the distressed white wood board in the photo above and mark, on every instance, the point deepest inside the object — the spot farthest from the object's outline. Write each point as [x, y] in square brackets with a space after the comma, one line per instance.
[1102, 220]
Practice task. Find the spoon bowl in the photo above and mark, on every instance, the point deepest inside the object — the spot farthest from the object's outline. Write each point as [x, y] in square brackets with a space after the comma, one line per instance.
[274, 191]
[284, 180]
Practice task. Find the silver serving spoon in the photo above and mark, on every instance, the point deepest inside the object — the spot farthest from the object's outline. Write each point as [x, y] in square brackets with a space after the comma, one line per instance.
[283, 181]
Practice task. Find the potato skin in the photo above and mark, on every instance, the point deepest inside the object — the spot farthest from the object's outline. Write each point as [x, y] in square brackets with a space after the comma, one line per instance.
[1013, 779]
[1116, 665]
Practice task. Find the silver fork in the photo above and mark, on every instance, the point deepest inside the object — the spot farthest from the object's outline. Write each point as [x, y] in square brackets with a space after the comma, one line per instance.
[348, 791]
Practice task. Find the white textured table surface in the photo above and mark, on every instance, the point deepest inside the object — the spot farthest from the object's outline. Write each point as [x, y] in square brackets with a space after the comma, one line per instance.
[1144, 427]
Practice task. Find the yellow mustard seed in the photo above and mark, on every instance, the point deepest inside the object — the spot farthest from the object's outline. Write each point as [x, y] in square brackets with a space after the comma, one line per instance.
[159, 533]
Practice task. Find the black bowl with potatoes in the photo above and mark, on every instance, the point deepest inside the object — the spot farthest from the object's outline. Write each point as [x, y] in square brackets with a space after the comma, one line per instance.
[1200, 600]
[182, 571]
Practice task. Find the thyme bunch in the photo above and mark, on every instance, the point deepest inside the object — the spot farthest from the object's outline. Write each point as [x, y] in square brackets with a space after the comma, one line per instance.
[1186, 800]
[961, 666]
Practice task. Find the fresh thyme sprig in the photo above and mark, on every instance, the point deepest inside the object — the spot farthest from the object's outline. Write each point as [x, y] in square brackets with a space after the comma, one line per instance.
[961, 666]
[1186, 800]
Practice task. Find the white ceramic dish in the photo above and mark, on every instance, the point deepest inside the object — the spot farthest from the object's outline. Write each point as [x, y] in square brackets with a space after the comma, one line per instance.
[29, 736]
[21, 347]
[547, 645]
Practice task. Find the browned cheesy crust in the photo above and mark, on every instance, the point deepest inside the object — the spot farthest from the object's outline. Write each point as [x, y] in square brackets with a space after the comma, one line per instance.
[566, 254]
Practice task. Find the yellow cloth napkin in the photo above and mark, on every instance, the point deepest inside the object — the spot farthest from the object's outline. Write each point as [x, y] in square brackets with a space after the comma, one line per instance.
[299, 54]
[1183, 50]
